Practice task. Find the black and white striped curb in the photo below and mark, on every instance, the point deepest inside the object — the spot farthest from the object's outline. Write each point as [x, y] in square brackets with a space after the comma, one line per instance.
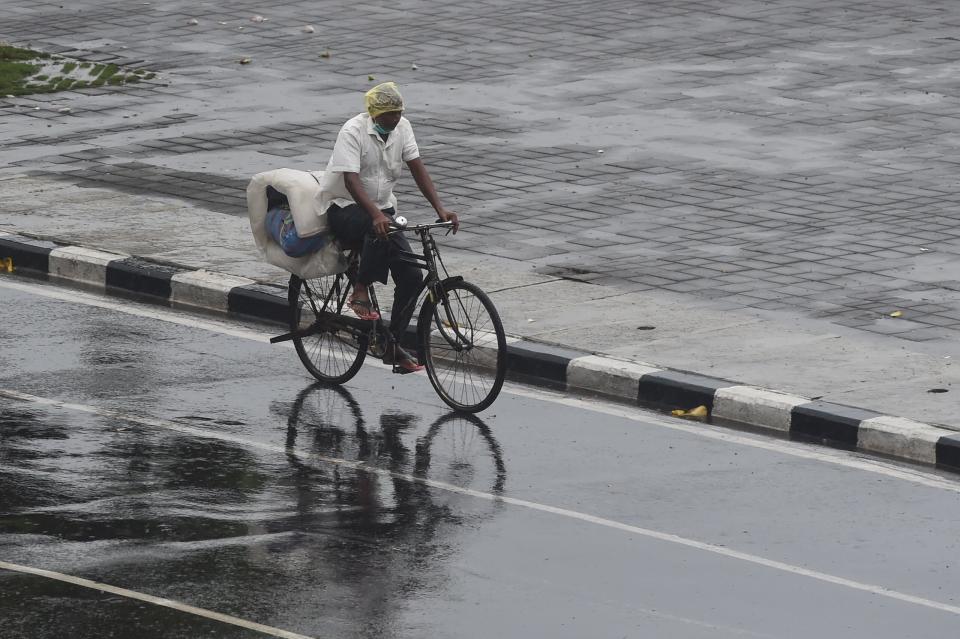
[546, 365]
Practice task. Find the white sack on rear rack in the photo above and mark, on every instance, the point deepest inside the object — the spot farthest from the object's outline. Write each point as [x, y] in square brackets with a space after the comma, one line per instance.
[301, 189]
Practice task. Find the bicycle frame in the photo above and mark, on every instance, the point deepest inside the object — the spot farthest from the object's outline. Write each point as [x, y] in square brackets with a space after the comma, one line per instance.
[458, 332]
[427, 261]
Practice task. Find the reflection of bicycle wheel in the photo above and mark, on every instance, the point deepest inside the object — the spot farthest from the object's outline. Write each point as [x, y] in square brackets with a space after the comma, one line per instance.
[460, 449]
[334, 419]
[332, 354]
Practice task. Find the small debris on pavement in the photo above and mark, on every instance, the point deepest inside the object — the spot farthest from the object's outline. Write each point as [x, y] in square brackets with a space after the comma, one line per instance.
[699, 411]
[938, 390]
[244, 60]
[309, 29]
[599, 150]
[258, 18]
[413, 67]
[325, 54]
[193, 22]
[371, 78]
[896, 314]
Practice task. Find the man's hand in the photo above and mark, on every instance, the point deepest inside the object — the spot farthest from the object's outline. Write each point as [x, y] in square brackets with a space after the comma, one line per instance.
[422, 178]
[449, 216]
[381, 224]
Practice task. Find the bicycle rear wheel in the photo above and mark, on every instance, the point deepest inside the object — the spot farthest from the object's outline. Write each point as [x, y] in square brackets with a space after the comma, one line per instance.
[463, 346]
[335, 351]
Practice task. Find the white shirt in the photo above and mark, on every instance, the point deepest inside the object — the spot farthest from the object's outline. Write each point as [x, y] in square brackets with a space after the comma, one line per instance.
[360, 149]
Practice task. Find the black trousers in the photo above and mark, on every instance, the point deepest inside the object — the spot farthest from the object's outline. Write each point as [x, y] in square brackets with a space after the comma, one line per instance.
[352, 226]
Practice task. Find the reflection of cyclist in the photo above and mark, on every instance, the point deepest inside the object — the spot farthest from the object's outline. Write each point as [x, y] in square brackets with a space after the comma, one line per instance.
[357, 194]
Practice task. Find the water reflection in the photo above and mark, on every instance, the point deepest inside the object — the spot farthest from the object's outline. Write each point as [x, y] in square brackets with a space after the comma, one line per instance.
[75, 477]
[334, 422]
[255, 534]
[23, 434]
[461, 436]
[392, 536]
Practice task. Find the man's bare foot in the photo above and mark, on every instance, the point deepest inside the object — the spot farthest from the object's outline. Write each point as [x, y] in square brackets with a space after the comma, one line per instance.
[401, 359]
[360, 304]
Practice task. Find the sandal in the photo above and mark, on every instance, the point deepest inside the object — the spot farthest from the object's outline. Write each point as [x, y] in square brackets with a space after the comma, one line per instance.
[402, 363]
[363, 309]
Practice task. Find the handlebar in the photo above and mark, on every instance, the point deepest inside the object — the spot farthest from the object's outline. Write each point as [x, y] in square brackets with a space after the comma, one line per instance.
[418, 228]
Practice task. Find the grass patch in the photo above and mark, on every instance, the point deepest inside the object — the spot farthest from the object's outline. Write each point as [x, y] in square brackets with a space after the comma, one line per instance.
[108, 72]
[13, 75]
[14, 54]
[23, 71]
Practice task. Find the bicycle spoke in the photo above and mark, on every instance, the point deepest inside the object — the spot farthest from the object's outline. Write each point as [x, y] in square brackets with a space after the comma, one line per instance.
[332, 353]
[465, 348]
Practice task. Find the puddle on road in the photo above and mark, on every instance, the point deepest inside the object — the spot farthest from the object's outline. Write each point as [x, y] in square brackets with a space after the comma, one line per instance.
[161, 511]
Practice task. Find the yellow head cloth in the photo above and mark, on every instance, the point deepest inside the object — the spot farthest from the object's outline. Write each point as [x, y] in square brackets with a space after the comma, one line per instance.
[383, 98]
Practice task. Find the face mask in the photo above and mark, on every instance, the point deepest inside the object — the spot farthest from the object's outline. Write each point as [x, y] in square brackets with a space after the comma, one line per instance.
[379, 129]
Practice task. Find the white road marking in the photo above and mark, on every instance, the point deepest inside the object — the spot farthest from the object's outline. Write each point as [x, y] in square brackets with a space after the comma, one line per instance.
[522, 503]
[157, 601]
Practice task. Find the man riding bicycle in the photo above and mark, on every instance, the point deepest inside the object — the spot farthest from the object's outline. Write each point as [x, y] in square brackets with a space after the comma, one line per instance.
[357, 195]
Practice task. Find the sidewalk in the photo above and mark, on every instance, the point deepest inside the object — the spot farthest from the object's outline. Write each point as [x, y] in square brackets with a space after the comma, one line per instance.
[721, 190]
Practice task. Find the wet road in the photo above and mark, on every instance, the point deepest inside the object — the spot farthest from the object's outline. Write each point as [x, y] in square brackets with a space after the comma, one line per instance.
[183, 458]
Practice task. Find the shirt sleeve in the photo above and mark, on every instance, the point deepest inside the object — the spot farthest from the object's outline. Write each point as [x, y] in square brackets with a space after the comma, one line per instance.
[346, 152]
[410, 149]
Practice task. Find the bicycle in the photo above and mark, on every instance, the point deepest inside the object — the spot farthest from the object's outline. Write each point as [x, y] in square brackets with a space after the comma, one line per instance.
[459, 336]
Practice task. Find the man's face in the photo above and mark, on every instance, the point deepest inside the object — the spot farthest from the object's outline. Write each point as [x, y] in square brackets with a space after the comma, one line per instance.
[388, 120]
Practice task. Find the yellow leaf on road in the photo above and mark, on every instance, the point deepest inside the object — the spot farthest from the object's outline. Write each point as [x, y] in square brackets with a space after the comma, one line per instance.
[699, 411]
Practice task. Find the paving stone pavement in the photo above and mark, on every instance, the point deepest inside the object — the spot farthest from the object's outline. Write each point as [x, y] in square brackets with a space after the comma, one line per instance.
[779, 156]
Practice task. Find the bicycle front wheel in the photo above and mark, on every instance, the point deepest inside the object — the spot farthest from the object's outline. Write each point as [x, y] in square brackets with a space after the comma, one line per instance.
[333, 352]
[463, 346]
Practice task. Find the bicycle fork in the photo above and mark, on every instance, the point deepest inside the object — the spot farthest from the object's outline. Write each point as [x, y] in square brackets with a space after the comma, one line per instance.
[459, 342]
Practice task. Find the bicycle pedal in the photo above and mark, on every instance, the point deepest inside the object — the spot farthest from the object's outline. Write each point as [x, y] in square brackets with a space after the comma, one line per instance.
[401, 371]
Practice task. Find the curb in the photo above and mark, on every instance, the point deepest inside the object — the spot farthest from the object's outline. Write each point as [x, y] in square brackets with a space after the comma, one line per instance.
[533, 362]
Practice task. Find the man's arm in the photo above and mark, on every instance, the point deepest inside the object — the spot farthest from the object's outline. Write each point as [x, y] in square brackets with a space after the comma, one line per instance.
[381, 223]
[425, 184]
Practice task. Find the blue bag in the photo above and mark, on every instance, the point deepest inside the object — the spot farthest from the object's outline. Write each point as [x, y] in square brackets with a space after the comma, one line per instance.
[281, 228]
